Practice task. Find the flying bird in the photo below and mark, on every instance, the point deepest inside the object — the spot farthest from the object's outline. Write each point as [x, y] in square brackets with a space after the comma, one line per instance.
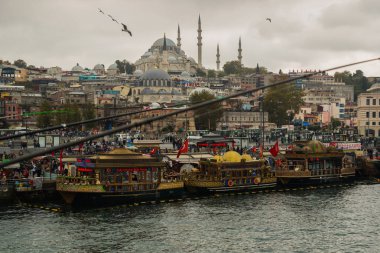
[269, 19]
[100, 11]
[125, 29]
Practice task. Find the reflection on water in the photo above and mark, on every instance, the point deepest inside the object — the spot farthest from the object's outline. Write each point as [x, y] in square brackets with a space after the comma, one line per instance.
[327, 220]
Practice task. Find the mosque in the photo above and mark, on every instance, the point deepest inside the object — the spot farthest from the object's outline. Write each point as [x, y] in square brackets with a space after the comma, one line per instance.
[165, 55]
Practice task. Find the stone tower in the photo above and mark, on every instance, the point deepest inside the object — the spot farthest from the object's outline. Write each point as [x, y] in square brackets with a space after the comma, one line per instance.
[199, 42]
[217, 58]
[179, 38]
[239, 51]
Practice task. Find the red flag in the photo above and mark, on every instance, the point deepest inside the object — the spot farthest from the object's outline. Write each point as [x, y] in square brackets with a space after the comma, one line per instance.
[184, 148]
[52, 153]
[153, 151]
[254, 149]
[60, 161]
[275, 149]
[80, 147]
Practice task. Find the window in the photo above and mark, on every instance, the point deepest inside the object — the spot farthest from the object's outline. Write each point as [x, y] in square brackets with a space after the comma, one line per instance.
[374, 101]
[373, 114]
[367, 114]
[367, 101]
[367, 123]
[373, 123]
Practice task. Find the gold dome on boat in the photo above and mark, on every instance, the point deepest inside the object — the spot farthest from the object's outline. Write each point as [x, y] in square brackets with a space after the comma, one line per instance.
[218, 158]
[232, 156]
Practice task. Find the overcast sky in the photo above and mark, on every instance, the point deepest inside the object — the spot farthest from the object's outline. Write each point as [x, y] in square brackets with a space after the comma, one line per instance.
[307, 34]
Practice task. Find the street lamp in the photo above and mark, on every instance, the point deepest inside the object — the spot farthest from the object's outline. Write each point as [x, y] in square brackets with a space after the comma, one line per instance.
[261, 105]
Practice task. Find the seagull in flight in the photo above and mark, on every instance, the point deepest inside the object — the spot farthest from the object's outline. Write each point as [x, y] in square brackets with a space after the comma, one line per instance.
[125, 29]
[269, 19]
[100, 11]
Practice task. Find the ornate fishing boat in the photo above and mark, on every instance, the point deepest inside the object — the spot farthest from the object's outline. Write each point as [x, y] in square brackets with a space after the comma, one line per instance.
[118, 177]
[312, 163]
[231, 172]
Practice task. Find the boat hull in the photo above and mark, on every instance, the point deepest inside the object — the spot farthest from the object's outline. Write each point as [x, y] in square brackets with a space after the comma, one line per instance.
[315, 181]
[99, 198]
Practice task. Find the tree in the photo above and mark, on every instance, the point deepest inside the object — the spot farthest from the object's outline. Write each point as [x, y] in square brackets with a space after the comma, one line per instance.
[211, 73]
[125, 67]
[20, 63]
[232, 67]
[278, 100]
[335, 123]
[201, 72]
[44, 119]
[206, 118]
[358, 80]
[88, 112]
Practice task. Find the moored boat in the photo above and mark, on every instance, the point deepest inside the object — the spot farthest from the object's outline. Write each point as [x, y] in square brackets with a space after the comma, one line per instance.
[311, 163]
[231, 172]
[118, 177]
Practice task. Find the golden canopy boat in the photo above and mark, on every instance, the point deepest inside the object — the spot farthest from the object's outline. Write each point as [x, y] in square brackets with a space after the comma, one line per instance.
[118, 177]
[312, 163]
[231, 172]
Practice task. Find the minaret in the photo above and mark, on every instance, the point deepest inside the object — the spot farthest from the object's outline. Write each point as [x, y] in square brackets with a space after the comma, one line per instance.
[164, 62]
[239, 51]
[199, 42]
[217, 58]
[179, 38]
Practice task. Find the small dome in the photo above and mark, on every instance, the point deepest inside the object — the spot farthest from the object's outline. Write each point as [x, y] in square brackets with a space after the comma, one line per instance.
[147, 54]
[232, 156]
[185, 74]
[138, 73]
[160, 43]
[112, 67]
[315, 146]
[77, 68]
[191, 59]
[200, 90]
[247, 157]
[218, 158]
[155, 74]
[155, 105]
[171, 58]
[99, 67]
[375, 87]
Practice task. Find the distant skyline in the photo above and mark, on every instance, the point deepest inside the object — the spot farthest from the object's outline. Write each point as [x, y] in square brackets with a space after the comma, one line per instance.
[314, 34]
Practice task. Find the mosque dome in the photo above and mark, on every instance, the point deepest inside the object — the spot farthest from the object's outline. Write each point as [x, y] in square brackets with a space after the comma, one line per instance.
[232, 156]
[77, 68]
[200, 90]
[247, 157]
[171, 58]
[191, 59]
[138, 73]
[113, 67]
[99, 67]
[155, 74]
[147, 54]
[185, 74]
[160, 43]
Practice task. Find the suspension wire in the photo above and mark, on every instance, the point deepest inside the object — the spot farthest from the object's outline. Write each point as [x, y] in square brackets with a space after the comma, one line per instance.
[62, 126]
[147, 121]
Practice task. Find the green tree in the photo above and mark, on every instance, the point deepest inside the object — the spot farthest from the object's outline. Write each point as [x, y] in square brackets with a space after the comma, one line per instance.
[45, 119]
[278, 100]
[201, 72]
[88, 112]
[335, 123]
[232, 67]
[20, 63]
[358, 80]
[125, 67]
[211, 73]
[206, 118]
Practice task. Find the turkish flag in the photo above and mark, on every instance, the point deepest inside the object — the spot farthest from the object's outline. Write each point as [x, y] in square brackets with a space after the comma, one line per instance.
[275, 149]
[254, 149]
[184, 148]
[153, 151]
